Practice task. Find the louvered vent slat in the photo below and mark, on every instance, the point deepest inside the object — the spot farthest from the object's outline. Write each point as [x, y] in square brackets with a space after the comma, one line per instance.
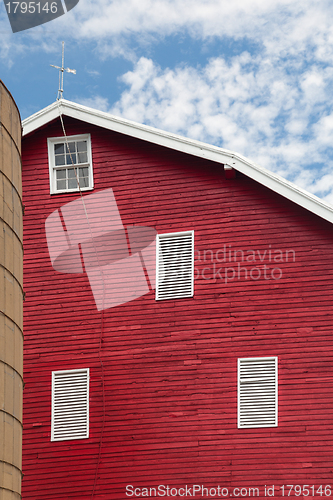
[175, 263]
[257, 392]
[70, 405]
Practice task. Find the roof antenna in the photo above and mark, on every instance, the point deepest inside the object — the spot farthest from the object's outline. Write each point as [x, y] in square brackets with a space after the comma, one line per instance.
[61, 73]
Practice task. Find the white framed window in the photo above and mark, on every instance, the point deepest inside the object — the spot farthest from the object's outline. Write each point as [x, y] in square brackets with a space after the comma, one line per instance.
[175, 265]
[70, 164]
[257, 392]
[70, 405]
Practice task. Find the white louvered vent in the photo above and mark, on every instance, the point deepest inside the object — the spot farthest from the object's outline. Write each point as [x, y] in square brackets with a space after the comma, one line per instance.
[174, 265]
[70, 405]
[257, 392]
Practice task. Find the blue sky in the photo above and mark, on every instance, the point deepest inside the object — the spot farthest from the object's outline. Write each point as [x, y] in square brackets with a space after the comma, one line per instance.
[252, 76]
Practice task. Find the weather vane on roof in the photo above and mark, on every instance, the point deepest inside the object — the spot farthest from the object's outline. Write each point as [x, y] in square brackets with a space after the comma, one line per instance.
[61, 73]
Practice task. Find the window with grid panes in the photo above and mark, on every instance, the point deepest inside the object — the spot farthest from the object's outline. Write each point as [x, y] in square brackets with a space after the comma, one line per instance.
[70, 164]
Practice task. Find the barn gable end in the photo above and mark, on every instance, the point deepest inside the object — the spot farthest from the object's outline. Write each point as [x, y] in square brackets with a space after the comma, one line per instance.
[163, 377]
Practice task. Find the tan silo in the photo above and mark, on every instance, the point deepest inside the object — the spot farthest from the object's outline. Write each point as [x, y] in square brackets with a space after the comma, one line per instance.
[11, 299]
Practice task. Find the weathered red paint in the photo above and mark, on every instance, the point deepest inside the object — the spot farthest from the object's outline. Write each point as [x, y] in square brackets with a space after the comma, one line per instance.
[163, 388]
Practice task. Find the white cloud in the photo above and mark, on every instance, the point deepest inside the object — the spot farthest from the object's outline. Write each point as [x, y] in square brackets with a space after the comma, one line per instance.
[247, 105]
[281, 27]
[284, 27]
[96, 102]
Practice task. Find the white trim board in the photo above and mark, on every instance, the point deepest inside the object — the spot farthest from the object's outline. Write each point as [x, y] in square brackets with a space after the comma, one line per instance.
[182, 144]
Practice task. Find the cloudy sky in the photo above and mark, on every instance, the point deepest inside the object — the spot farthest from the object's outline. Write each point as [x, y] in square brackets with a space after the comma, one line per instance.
[252, 76]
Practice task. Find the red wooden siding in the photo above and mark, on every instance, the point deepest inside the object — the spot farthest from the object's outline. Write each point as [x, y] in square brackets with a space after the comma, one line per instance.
[163, 374]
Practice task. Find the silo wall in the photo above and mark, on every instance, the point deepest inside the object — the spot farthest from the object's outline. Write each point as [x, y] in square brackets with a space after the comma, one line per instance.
[11, 299]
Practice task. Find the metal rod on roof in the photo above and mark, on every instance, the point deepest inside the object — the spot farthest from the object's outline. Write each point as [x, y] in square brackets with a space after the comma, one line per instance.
[62, 69]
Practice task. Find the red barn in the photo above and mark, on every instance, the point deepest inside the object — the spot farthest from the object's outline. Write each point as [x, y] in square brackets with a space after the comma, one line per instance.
[178, 322]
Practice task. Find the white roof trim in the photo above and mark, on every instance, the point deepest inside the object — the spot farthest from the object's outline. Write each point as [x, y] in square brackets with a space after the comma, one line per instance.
[184, 145]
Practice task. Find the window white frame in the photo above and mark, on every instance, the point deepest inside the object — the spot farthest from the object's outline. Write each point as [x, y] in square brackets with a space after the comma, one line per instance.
[53, 168]
[70, 404]
[167, 268]
[257, 392]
